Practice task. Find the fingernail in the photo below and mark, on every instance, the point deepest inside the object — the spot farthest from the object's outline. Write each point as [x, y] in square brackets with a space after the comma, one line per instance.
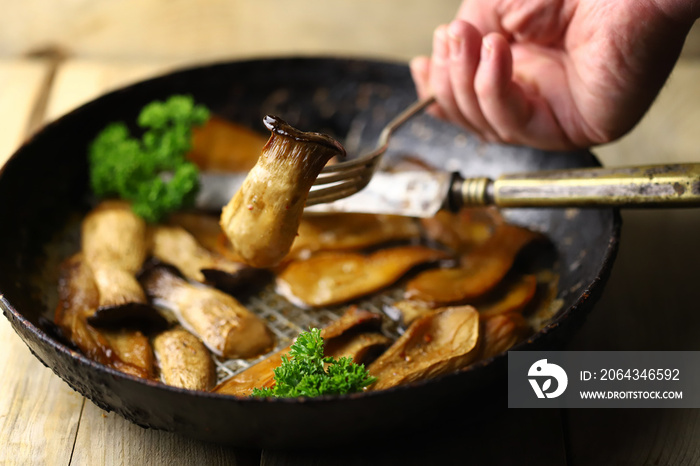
[456, 41]
[486, 49]
[440, 47]
[454, 29]
[416, 62]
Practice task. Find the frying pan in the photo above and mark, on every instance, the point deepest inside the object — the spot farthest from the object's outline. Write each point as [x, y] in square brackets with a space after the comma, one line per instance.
[43, 188]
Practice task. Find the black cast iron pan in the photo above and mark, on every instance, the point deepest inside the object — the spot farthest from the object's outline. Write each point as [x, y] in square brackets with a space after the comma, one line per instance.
[43, 188]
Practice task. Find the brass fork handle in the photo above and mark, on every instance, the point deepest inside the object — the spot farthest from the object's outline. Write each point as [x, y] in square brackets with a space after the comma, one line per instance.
[641, 186]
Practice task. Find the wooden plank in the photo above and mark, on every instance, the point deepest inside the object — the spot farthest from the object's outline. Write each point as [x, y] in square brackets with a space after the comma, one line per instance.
[216, 29]
[20, 84]
[39, 412]
[107, 438]
[213, 29]
[79, 81]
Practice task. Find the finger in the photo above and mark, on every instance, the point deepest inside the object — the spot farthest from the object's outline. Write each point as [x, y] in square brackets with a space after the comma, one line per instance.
[440, 82]
[420, 72]
[465, 50]
[485, 16]
[515, 116]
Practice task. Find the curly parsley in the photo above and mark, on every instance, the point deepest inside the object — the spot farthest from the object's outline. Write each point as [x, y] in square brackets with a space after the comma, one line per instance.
[306, 372]
[151, 172]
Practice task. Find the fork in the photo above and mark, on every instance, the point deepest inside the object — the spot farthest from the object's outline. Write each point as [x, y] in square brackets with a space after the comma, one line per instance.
[346, 178]
[667, 185]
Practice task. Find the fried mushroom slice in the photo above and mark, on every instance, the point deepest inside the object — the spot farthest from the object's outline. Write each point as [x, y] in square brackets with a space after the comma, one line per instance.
[175, 246]
[183, 360]
[464, 230]
[223, 324]
[330, 278]
[206, 230]
[360, 347]
[353, 319]
[260, 375]
[114, 244]
[78, 297]
[480, 270]
[441, 342]
[351, 231]
[355, 335]
[132, 347]
[221, 145]
[410, 310]
[509, 297]
[262, 218]
[501, 332]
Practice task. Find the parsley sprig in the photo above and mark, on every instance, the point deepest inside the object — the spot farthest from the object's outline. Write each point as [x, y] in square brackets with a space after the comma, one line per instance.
[306, 372]
[151, 172]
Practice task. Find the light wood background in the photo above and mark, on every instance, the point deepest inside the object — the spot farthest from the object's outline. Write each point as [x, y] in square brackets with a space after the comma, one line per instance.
[215, 29]
[186, 30]
[650, 302]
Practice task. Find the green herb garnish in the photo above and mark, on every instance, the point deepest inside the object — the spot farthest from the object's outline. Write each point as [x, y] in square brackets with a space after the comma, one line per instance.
[152, 172]
[306, 372]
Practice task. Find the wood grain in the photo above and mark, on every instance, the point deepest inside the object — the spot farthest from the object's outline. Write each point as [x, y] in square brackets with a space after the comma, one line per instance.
[39, 413]
[106, 438]
[80, 81]
[20, 84]
[216, 29]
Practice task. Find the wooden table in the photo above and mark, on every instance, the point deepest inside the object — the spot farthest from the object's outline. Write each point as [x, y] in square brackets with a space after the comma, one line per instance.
[650, 303]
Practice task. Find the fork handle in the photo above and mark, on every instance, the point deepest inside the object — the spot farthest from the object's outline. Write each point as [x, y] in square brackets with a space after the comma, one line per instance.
[673, 185]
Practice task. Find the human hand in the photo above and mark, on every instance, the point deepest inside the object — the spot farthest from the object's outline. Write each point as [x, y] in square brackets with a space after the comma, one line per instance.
[552, 74]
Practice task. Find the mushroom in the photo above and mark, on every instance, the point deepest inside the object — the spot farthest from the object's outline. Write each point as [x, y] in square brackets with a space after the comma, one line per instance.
[263, 217]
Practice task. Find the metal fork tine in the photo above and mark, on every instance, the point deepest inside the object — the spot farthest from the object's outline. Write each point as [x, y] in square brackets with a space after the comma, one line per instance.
[355, 179]
[355, 182]
[339, 190]
[326, 178]
[353, 175]
[350, 164]
[331, 195]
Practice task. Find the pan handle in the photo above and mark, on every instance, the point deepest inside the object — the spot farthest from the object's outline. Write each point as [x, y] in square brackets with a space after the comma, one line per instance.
[672, 185]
